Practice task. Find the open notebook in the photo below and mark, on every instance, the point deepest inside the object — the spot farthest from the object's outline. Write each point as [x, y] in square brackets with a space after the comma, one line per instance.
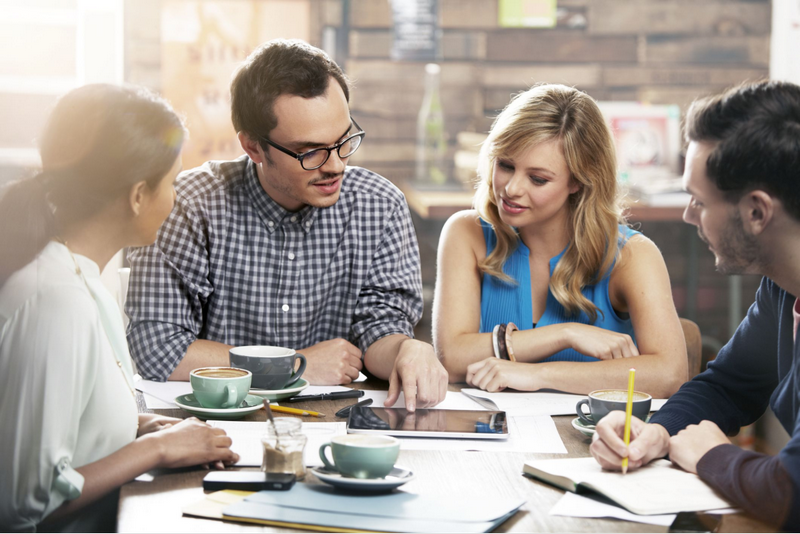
[657, 488]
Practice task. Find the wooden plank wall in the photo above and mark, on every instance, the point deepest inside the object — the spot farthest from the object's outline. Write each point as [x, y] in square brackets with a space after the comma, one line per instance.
[657, 51]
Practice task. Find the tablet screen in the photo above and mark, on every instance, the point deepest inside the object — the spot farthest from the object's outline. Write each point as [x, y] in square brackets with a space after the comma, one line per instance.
[475, 424]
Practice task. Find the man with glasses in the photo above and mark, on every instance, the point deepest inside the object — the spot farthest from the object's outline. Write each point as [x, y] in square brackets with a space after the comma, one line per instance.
[286, 246]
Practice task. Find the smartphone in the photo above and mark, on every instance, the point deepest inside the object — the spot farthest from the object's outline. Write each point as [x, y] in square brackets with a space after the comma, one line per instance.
[247, 481]
[695, 522]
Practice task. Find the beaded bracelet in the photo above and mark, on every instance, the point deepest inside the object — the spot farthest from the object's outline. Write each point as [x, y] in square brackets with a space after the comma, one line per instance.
[501, 341]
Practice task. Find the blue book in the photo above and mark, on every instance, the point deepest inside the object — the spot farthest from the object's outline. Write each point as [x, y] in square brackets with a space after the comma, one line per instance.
[314, 506]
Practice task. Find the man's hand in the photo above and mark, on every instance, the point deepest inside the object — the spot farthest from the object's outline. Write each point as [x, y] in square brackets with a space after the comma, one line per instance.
[648, 442]
[332, 362]
[419, 374]
[693, 442]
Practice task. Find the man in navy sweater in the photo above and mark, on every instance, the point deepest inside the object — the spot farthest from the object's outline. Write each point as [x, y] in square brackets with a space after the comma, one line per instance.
[743, 172]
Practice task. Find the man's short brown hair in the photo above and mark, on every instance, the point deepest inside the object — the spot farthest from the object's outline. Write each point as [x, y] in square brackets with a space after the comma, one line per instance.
[755, 128]
[279, 67]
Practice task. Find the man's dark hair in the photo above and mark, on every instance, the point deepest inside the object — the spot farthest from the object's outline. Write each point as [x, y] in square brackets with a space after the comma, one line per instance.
[279, 67]
[756, 128]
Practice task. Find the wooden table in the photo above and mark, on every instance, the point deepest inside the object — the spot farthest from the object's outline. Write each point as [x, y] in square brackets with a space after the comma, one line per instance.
[156, 506]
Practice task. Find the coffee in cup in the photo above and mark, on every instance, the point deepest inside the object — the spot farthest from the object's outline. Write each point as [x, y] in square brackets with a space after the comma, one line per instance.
[220, 387]
[361, 455]
[272, 367]
[221, 372]
[603, 401]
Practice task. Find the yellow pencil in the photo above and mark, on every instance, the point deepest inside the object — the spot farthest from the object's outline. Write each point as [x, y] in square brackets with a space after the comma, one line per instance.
[296, 411]
[628, 414]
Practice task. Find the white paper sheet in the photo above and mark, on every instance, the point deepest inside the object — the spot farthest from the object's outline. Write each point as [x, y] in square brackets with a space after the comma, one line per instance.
[538, 403]
[161, 395]
[530, 434]
[574, 505]
[453, 401]
[246, 437]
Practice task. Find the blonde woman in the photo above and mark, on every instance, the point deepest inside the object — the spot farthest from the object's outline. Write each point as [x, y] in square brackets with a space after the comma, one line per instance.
[546, 251]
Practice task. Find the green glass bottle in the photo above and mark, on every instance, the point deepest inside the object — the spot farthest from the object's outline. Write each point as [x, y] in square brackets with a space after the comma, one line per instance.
[431, 138]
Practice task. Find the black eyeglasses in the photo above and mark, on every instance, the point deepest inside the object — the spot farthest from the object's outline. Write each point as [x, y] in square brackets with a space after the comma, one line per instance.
[314, 159]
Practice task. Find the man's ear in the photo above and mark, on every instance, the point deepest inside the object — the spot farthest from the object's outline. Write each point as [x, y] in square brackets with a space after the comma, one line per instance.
[252, 148]
[137, 197]
[757, 209]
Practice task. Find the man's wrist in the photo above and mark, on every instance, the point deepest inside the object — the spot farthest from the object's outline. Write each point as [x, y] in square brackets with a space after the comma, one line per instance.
[663, 439]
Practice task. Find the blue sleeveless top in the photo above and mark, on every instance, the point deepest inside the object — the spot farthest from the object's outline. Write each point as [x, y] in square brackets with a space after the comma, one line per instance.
[502, 302]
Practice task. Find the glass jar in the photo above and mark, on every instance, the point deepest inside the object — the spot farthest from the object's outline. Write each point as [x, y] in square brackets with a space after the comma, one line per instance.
[284, 444]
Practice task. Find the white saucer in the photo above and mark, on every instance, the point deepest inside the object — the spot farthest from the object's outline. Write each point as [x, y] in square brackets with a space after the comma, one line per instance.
[396, 477]
[583, 428]
[280, 394]
[189, 403]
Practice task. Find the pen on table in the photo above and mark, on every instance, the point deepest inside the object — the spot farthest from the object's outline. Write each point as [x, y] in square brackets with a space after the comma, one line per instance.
[296, 411]
[345, 412]
[351, 394]
[628, 413]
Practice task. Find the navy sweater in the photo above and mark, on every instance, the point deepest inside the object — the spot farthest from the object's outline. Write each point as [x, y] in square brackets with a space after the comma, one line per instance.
[759, 367]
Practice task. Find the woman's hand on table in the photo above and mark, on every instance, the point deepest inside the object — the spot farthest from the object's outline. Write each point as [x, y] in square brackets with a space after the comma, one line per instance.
[494, 374]
[599, 343]
[151, 422]
[193, 442]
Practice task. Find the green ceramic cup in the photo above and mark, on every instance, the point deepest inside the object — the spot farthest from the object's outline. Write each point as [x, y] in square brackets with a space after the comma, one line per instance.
[220, 387]
[361, 456]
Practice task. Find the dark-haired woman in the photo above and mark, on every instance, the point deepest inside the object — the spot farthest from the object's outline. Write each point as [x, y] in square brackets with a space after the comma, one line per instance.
[71, 432]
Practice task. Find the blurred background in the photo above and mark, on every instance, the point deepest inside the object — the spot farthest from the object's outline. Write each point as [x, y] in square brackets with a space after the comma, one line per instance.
[429, 76]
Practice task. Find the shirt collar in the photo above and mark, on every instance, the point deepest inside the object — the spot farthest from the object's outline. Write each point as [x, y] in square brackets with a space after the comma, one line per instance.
[273, 214]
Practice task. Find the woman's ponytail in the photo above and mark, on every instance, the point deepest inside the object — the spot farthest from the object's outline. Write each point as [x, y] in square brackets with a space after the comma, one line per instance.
[26, 223]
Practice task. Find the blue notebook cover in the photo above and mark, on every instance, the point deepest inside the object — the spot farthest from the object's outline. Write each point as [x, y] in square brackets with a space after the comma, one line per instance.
[399, 511]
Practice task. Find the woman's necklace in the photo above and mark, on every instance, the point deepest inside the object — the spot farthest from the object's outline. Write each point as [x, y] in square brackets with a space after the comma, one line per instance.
[80, 273]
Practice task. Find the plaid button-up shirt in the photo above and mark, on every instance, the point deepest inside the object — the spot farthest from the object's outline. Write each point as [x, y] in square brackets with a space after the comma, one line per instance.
[231, 265]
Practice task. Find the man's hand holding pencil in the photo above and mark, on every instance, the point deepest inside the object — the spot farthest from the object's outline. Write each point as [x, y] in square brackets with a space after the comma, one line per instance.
[648, 442]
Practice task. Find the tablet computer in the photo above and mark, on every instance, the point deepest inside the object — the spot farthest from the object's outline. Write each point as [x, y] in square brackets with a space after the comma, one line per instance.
[428, 423]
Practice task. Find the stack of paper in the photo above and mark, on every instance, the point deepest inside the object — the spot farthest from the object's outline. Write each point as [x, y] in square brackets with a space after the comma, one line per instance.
[309, 506]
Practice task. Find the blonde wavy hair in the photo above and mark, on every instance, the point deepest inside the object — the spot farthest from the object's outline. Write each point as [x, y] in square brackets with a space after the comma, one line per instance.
[540, 114]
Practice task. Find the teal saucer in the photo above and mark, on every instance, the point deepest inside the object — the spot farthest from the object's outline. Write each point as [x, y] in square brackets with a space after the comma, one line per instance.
[280, 394]
[250, 404]
[587, 430]
[583, 428]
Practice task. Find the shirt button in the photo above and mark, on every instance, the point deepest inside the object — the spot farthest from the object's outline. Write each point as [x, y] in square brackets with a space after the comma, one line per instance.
[294, 218]
[291, 255]
[285, 307]
[271, 224]
[308, 224]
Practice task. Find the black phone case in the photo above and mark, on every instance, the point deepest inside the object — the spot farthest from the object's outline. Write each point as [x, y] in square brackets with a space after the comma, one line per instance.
[248, 481]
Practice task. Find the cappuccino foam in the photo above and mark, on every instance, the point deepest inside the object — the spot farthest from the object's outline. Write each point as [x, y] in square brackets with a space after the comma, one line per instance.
[618, 395]
[221, 373]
